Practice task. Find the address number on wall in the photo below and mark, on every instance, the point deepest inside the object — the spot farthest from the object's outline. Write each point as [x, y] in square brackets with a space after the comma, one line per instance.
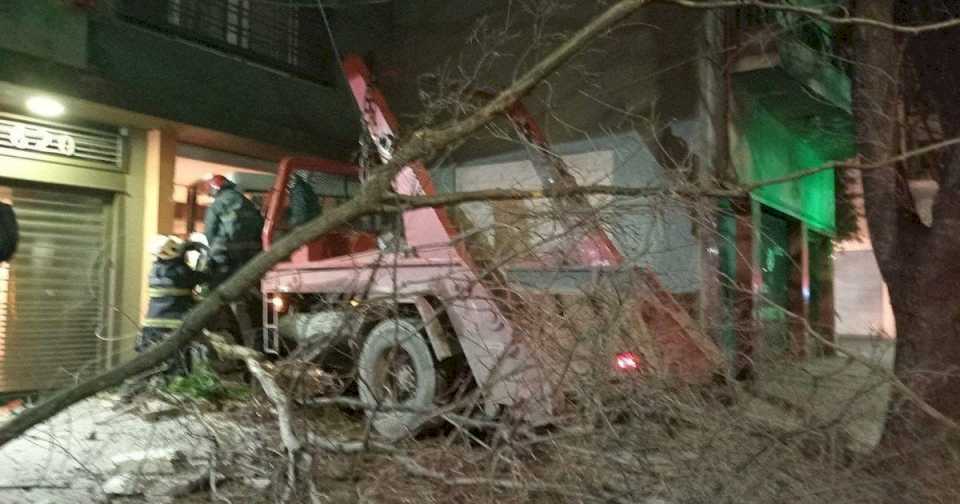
[40, 139]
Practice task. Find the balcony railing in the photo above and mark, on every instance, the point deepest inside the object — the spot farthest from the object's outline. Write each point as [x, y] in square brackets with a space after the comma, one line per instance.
[283, 35]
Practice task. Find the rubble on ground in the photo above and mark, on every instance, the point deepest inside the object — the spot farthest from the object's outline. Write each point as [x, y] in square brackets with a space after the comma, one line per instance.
[107, 450]
[685, 445]
[155, 410]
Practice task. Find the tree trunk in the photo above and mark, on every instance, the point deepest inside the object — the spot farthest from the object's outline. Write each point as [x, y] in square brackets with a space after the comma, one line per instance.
[917, 262]
[923, 294]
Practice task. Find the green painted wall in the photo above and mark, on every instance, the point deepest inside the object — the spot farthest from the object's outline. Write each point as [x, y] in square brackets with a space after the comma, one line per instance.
[784, 130]
[777, 152]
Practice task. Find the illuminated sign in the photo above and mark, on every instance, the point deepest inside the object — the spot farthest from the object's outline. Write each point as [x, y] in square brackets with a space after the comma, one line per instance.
[26, 137]
[41, 139]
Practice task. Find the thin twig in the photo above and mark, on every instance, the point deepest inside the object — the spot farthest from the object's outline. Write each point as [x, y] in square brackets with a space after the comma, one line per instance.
[536, 486]
[820, 14]
[284, 418]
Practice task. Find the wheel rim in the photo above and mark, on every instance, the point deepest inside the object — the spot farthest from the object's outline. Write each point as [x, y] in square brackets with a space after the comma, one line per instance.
[395, 377]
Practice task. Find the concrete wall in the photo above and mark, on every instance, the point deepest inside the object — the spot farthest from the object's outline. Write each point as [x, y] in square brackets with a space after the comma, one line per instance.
[131, 247]
[861, 300]
[860, 296]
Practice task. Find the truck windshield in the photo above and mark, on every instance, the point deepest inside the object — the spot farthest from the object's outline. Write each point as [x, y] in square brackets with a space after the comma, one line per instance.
[331, 190]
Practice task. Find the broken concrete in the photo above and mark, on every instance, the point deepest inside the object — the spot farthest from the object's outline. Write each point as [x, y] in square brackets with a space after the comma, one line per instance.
[73, 457]
[157, 461]
[258, 483]
[183, 484]
[123, 485]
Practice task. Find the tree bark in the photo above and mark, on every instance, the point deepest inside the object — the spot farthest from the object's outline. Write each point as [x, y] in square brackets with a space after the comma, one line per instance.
[916, 262]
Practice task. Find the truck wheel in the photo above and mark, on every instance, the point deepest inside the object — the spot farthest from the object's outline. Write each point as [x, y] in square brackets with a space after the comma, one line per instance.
[396, 368]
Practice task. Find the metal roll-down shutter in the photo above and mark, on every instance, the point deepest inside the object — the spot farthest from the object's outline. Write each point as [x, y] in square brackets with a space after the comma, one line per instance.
[52, 295]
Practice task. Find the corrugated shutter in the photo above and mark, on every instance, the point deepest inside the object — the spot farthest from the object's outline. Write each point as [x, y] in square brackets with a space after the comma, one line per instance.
[52, 295]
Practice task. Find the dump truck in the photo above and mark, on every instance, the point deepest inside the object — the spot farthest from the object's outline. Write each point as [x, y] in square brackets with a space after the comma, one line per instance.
[401, 306]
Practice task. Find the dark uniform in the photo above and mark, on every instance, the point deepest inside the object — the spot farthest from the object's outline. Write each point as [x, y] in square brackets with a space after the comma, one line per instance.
[9, 232]
[232, 225]
[171, 286]
[304, 203]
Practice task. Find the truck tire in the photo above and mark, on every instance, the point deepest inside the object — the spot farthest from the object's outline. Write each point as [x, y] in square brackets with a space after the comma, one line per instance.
[396, 368]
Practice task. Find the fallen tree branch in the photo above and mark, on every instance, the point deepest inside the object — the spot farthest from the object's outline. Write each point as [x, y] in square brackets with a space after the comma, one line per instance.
[457, 198]
[282, 404]
[395, 454]
[818, 13]
[348, 447]
[295, 454]
[27, 487]
[214, 458]
[229, 351]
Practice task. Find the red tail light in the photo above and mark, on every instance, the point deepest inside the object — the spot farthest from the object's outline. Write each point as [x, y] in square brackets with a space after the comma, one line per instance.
[627, 361]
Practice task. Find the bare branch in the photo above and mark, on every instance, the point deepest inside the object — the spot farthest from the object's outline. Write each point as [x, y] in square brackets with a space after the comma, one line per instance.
[818, 13]
[404, 201]
[280, 401]
[884, 163]
[537, 487]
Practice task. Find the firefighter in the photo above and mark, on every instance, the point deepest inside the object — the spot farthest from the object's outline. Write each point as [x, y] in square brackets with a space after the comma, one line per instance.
[232, 226]
[171, 285]
[9, 232]
[304, 203]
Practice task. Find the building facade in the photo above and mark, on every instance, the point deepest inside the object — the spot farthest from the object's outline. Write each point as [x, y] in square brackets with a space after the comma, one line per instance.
[109, 112]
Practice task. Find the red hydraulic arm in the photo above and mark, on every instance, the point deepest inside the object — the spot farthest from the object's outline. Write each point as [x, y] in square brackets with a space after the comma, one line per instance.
[424, 227]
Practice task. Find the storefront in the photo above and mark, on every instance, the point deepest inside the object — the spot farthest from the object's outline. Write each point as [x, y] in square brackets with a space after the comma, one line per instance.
[777, 246]
[57, 296]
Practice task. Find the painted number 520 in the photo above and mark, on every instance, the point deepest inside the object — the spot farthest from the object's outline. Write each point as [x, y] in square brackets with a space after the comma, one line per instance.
[41, 139]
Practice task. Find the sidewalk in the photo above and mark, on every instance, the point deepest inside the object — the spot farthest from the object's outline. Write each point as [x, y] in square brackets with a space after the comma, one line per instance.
[837, 388]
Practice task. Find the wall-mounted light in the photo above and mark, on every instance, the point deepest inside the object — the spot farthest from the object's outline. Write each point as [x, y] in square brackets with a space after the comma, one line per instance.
[44, 106]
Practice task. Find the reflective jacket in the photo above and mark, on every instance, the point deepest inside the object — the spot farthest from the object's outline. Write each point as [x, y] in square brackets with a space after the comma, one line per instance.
[232, 224]
[171, 286]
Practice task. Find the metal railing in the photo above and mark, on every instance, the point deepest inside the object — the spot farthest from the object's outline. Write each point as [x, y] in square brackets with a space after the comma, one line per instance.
[283, 35]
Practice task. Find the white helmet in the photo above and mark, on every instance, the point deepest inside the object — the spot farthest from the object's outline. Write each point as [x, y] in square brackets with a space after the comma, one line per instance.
[166, 247]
